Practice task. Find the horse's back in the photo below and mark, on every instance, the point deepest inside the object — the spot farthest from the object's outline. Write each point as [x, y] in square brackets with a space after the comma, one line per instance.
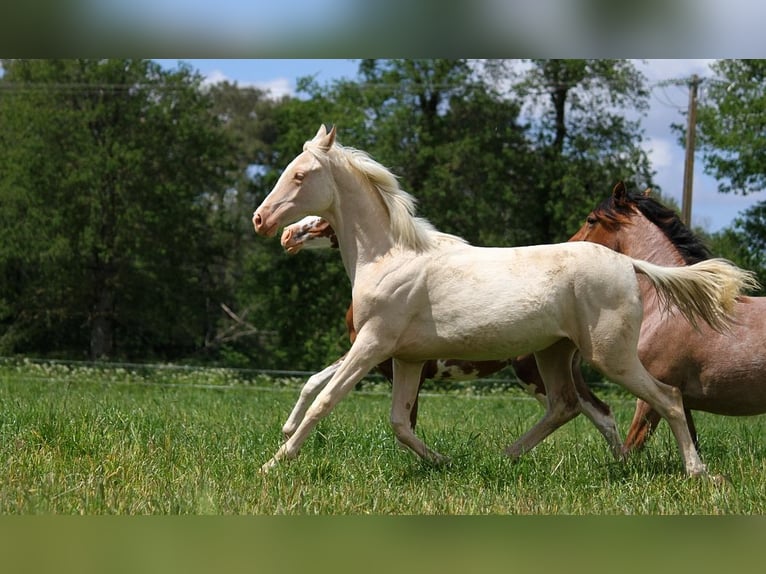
[502, 302]
[568, 265]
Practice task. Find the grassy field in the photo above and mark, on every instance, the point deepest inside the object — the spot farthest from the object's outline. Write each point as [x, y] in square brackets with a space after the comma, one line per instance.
[86, 440]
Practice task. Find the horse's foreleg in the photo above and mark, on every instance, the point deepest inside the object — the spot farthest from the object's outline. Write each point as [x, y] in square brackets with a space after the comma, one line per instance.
[404, 399]
[692, 428]
[310, 390]
[357, 363]
[596, 410]
[555, 366]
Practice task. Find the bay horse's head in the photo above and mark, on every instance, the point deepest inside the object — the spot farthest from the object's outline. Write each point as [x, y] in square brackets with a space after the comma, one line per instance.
[311, 232]
[305, 187]
[603, 223]
[634, 222]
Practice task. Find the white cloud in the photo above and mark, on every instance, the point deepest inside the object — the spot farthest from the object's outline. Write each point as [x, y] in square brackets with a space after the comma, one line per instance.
[664, 69]
[216, 77]
[277, 88]
[662, 152]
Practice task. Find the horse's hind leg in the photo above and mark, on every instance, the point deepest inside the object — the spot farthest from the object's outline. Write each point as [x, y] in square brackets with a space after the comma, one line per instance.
[666, 400]
[555, 365]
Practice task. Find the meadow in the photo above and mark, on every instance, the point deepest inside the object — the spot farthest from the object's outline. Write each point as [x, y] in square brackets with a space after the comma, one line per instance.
[132, 440]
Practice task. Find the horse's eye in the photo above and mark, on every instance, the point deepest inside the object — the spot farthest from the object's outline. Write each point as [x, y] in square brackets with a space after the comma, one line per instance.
[299, 176]
[591, 220]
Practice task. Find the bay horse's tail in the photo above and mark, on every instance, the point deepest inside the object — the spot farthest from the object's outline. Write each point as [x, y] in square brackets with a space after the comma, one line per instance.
[707, 289]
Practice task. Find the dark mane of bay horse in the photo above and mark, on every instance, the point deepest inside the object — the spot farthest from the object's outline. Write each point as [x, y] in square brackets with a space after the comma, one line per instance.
[615, 211]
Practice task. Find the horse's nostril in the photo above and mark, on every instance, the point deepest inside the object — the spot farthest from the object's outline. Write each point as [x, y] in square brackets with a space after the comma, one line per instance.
[257, 219]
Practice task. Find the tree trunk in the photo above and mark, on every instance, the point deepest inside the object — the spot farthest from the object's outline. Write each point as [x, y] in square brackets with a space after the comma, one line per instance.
[102, 322]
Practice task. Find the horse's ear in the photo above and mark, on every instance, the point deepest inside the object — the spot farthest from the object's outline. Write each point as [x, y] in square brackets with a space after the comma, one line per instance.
[620, 192]
[325, 140]
[321, 132]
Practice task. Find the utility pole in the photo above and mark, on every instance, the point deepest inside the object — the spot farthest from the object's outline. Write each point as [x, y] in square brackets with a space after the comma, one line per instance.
[691, 132]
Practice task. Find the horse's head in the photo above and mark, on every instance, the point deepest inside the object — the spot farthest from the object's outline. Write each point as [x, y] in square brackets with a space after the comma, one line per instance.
[640, 226]
[305, 187]
[603, 223]
[311, 232]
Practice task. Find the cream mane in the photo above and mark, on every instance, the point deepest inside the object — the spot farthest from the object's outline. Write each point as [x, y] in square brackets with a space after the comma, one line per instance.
[409, 231]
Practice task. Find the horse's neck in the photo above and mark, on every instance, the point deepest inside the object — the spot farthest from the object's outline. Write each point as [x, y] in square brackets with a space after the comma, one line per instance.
[644, 240]
[360, 220]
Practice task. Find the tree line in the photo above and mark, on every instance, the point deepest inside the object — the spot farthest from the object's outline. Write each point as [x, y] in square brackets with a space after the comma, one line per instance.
[126, 189]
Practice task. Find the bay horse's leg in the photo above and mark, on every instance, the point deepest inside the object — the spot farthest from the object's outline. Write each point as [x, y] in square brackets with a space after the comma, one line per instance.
[645, 420]
[357, 363]
[407, 380]
[596, 410]
[692, 428]
[555, 366]
[310, 390]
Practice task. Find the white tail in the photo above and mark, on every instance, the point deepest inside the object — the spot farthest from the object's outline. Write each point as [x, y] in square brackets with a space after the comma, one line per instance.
[707, 289]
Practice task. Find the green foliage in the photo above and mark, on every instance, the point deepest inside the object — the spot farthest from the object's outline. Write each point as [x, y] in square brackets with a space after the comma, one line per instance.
[107, 172]
[731, 120]
[745, 242]
[584, 141]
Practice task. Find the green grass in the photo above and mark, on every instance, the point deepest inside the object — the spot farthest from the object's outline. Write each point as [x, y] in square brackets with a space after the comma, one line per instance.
[86, 440]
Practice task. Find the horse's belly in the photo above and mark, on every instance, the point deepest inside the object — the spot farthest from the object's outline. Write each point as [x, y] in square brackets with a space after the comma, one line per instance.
[497, 340]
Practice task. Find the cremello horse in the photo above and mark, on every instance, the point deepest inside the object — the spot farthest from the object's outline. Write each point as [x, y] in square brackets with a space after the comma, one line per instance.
[421, 295]
[314, 233]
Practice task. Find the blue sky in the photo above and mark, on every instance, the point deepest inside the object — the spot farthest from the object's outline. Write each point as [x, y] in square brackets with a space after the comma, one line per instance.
[710, 209]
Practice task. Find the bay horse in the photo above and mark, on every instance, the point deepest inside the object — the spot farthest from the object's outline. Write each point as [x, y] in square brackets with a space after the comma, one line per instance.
[419, 294]
[722, 373]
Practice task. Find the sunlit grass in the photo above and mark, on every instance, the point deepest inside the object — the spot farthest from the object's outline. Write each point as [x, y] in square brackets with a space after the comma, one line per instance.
[83, 440]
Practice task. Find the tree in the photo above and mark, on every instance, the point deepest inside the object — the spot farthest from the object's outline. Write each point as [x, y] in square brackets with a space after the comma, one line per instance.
[579, 113]
[731, 125]
[107, 173]
[745, 241]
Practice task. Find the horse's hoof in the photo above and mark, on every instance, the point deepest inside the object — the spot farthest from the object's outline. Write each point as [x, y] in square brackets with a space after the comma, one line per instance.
[266, 468]
[513, 452]
[718, 479]
[440, 460]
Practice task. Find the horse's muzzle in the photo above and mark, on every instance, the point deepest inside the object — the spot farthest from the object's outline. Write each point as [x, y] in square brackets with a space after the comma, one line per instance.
[259, 224]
